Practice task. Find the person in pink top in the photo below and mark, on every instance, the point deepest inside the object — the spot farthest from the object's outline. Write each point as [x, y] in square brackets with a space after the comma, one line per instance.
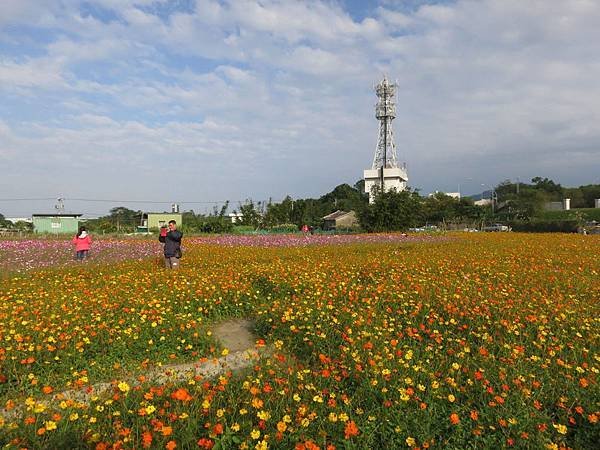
[82, 242]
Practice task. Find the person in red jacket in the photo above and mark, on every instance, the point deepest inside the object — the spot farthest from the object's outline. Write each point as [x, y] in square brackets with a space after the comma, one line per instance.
[82, 242]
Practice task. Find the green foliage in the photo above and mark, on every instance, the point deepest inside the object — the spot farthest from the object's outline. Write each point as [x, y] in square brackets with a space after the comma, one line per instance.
[283, 228]
[311, 211]
[546, 226]
[243, 229]
[522, 201]
[442, 209]
[251, 213]
[582, 214]
[392, 211]
[216, 225]
[21, 225]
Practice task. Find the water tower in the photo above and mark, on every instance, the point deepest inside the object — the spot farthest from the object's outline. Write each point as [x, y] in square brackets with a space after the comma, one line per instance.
[385, 173]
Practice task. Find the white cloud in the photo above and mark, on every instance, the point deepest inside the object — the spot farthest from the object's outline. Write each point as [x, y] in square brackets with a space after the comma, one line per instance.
[249, 89]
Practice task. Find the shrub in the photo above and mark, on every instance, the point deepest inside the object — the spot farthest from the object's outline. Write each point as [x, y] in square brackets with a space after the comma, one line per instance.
[546, 226]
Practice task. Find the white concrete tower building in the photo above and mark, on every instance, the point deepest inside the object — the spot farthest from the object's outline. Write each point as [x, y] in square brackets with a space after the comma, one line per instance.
[385, 172]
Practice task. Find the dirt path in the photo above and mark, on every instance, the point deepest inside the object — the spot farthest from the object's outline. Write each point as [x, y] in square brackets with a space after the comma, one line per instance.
[235, 335]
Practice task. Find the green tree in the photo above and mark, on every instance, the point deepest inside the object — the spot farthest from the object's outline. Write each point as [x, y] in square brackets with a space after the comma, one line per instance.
[553, 189]
[124, 219]
[250, 214]
[590, 193]
[392, 211]
[440, 208]
[576, 196]
[21, 225]
[280, 213]
[5, 223]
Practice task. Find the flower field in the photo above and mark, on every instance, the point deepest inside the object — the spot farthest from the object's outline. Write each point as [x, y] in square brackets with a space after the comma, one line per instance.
[380, 341]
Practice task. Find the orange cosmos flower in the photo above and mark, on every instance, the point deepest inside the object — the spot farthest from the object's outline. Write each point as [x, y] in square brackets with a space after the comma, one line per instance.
[181, 394]
[350, 430]
[146, 439]
[171, 445]
[454, 419]
[205, 443]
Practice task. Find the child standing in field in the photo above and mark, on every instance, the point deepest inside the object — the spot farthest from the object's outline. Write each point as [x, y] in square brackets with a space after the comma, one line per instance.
[82, 242]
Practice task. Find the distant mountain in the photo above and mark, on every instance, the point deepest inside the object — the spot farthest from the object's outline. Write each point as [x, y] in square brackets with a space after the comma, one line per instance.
[475, 197]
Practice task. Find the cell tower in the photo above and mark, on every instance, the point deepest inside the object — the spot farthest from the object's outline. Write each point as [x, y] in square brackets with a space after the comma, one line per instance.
[385, 173]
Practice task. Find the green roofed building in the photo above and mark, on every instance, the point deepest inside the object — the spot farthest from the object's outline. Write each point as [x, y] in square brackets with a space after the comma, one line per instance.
[152, 221]
[56, 223]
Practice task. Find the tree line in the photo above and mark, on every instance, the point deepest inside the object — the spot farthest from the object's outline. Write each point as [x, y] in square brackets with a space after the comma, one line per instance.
[513, 202]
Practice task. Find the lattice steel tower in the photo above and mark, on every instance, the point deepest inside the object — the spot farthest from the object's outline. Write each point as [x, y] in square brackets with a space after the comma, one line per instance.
[385, 173]
[385, 112]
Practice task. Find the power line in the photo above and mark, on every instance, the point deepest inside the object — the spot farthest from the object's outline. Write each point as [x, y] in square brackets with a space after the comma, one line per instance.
[98, 200]
[138, 201]
[25, 199]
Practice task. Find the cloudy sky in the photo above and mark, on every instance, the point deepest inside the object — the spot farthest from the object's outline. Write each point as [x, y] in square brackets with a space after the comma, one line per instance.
[209, 100]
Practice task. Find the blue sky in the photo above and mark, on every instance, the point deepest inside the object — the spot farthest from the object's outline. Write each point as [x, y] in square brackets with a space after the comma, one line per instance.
[206, 100]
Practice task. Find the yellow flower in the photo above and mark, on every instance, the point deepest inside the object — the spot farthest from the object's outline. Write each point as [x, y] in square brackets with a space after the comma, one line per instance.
[281, 426]
[235, 427]
[150, 409]
[451, 398]
[562, 429]
[264, 415]
[410, 441]
[220, 412]
[123, 386]
[50, 425]
[255, 434]
[332, 417]
[73, 417]
[39, 407]
[262, 445]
